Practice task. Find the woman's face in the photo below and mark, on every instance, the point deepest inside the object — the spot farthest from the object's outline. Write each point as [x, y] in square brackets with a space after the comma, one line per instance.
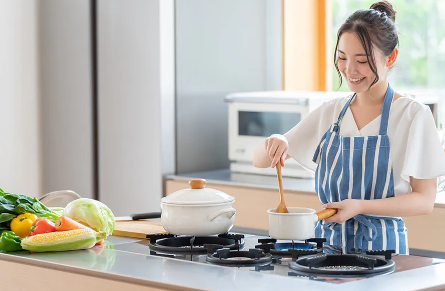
[353, 64]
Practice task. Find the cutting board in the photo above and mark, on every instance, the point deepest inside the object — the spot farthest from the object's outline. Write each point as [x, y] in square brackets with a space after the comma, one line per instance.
[137, 228]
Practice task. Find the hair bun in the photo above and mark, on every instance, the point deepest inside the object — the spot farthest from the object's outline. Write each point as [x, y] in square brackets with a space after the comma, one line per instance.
[386, 8]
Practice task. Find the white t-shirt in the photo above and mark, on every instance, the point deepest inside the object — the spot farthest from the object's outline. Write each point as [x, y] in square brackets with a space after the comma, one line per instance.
[415, 148]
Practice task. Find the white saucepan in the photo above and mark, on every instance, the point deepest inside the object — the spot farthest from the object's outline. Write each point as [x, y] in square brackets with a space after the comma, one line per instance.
[298, 224]
[197, 211]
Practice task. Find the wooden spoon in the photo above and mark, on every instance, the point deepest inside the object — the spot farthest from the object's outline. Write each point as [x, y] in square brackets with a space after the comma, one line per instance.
[281, 207]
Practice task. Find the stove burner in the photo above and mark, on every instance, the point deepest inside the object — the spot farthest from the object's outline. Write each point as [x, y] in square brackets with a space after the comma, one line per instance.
[345, 264]
[291, 249]
[226, 256]
[168, 243]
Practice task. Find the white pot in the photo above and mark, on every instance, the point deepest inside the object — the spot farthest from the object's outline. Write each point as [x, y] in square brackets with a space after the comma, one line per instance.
[298, 224]
[197, 211]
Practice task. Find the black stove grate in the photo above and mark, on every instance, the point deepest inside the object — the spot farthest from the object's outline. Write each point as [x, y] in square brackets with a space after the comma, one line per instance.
[345, 264]
[168, 243]
[226, 256]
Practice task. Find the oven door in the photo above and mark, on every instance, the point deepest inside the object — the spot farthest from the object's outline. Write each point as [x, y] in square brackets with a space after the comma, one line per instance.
[251, 123]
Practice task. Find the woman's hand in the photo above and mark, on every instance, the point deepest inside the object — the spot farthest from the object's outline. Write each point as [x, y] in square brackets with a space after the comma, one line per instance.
[276, 147]
[345, 209]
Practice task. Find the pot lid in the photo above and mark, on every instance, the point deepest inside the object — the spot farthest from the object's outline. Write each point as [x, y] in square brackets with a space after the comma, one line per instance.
[197, 195]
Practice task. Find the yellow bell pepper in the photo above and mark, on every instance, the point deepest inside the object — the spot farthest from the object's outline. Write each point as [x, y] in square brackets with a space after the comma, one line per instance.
[22, 224]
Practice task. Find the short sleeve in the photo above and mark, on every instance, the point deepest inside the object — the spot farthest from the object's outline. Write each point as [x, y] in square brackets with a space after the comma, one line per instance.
[303, 138]
[424, 156]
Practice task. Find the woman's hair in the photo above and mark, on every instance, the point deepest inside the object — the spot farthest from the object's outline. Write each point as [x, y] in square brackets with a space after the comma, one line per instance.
[373, 26]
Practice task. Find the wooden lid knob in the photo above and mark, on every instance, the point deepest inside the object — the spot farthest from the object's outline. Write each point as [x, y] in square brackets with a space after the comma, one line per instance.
[197, 183]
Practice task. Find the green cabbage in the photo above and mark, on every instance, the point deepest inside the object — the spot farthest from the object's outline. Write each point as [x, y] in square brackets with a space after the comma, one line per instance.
[91, 213]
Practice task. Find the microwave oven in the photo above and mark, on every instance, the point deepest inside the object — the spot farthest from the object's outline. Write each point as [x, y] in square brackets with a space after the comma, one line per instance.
[254, 116]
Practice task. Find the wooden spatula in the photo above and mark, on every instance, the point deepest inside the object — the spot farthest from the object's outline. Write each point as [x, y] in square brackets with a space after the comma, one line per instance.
[281, 207]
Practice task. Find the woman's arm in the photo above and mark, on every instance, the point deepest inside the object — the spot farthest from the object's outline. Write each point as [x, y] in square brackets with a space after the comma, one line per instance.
[418, 202]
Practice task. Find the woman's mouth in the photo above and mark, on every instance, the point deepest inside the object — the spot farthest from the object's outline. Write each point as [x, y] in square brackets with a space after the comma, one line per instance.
[355, 81]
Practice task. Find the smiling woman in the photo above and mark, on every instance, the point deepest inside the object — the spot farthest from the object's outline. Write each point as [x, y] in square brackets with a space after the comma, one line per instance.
[376, 154]
[359, 66]
[366, 46]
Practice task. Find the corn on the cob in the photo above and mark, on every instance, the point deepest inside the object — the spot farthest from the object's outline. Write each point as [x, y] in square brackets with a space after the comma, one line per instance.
[62, 240]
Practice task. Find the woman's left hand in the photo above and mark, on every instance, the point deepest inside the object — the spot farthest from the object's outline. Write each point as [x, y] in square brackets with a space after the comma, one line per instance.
[345, 209]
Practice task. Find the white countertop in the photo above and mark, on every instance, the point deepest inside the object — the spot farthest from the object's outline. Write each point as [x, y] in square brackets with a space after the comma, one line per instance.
[136, 266]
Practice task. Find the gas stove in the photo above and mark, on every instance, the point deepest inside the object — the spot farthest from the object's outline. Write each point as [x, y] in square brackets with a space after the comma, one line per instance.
[310, 259]
[170, 244]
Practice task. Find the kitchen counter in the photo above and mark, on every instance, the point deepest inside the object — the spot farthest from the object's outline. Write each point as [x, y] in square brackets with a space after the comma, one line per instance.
[125, 260]
[225, 176]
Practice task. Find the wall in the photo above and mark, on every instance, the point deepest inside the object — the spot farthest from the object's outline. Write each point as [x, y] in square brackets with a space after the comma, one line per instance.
[220, 49]
[19, 126]
[136, 101]
[66, 96]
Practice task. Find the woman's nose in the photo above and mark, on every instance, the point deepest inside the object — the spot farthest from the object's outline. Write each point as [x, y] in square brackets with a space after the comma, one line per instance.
[351, 68]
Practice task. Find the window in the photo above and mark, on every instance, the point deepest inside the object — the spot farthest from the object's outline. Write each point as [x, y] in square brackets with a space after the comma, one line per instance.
[421, 60]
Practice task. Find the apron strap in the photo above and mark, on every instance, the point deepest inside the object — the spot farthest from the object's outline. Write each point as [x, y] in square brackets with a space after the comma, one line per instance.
[364, 226]
[385, 110]
[342, 112]
[384, 116]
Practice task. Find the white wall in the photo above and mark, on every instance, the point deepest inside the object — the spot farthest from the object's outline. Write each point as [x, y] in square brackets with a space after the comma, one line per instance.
[19, 124]
[136, 102]
[66, 95]
[222, 47]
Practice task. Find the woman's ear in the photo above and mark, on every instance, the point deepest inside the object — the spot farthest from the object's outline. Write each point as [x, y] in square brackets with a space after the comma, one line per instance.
[392, 58]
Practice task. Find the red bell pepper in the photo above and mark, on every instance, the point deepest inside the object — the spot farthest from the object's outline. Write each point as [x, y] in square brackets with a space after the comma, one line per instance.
[41, 225]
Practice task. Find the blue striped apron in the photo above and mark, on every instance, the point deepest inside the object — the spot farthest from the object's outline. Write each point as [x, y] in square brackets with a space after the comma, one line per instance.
[358, 167]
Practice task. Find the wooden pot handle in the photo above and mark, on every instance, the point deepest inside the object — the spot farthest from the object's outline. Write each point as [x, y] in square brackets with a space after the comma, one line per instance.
[325, 213]
[197, 183]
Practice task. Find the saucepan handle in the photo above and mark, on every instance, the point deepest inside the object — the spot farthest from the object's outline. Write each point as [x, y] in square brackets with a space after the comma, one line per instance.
[230, 211]
[325, 213]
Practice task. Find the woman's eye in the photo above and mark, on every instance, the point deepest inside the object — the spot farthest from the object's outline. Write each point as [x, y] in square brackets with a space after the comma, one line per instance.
[362, 62]
[343, 59]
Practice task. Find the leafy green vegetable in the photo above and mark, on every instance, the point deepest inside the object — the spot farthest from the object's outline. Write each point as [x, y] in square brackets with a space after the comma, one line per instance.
[4, 217]
[92, 213]
[17, 204]
[58, 210]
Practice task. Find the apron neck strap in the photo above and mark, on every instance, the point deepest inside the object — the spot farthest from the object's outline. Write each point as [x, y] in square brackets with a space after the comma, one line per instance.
[342, 112]
[385, 111]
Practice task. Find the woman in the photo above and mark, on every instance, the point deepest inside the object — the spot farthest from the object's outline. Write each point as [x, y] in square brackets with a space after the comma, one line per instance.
[376, 154]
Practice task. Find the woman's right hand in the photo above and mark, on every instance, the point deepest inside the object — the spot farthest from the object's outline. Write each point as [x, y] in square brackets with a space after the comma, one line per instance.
[276, 147]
